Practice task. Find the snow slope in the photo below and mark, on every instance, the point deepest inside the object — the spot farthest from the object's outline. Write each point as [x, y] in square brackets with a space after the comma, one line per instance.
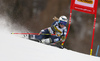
[14, 48]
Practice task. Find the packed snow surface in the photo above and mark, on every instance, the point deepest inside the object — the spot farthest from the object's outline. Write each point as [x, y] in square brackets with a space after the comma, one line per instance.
[13, 48]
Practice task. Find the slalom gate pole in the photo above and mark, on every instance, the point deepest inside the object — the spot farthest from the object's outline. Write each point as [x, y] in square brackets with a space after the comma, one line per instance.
[32, 33]
[68, 26]
[93, 36]
[97, 50]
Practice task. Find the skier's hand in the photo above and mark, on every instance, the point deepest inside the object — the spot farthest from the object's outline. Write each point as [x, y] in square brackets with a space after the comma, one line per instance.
[55, 18]
[61, 40]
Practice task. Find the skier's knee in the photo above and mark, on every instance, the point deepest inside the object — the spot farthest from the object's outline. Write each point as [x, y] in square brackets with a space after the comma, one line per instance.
[57, 39]
[47, 41]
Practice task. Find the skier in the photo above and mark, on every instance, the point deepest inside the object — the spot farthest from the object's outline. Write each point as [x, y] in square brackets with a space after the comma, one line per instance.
[58, 29]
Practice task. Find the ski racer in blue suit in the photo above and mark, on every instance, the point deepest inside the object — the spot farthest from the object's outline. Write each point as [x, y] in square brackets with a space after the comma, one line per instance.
[58, 28]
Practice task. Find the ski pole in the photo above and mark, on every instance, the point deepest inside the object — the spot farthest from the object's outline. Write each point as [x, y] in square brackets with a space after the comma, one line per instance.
[33, 33]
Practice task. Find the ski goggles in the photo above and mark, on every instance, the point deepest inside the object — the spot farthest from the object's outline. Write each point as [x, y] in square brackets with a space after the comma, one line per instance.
[62, 22]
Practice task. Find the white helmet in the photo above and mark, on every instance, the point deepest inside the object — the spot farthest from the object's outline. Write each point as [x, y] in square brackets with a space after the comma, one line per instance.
[63, 20]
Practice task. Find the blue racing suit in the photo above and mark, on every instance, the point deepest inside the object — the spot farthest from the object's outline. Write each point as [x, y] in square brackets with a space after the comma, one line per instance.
[59, 32]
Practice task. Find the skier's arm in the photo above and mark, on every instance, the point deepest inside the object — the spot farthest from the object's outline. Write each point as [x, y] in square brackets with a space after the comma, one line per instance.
[63, 36]
[53, 26]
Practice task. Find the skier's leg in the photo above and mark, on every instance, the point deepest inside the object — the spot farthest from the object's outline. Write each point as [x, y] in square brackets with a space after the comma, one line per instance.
[46, 41]
[51, 39]
[56, 41]
[54, 38]
[41, 36]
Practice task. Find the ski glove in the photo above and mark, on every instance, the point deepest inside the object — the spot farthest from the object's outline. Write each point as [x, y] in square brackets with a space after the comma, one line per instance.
[63, 38]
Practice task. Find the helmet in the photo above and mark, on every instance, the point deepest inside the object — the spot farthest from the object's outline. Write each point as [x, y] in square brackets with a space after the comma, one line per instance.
[63, 20]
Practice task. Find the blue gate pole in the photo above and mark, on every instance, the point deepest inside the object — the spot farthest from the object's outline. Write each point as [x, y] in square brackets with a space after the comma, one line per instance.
[97, 50]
